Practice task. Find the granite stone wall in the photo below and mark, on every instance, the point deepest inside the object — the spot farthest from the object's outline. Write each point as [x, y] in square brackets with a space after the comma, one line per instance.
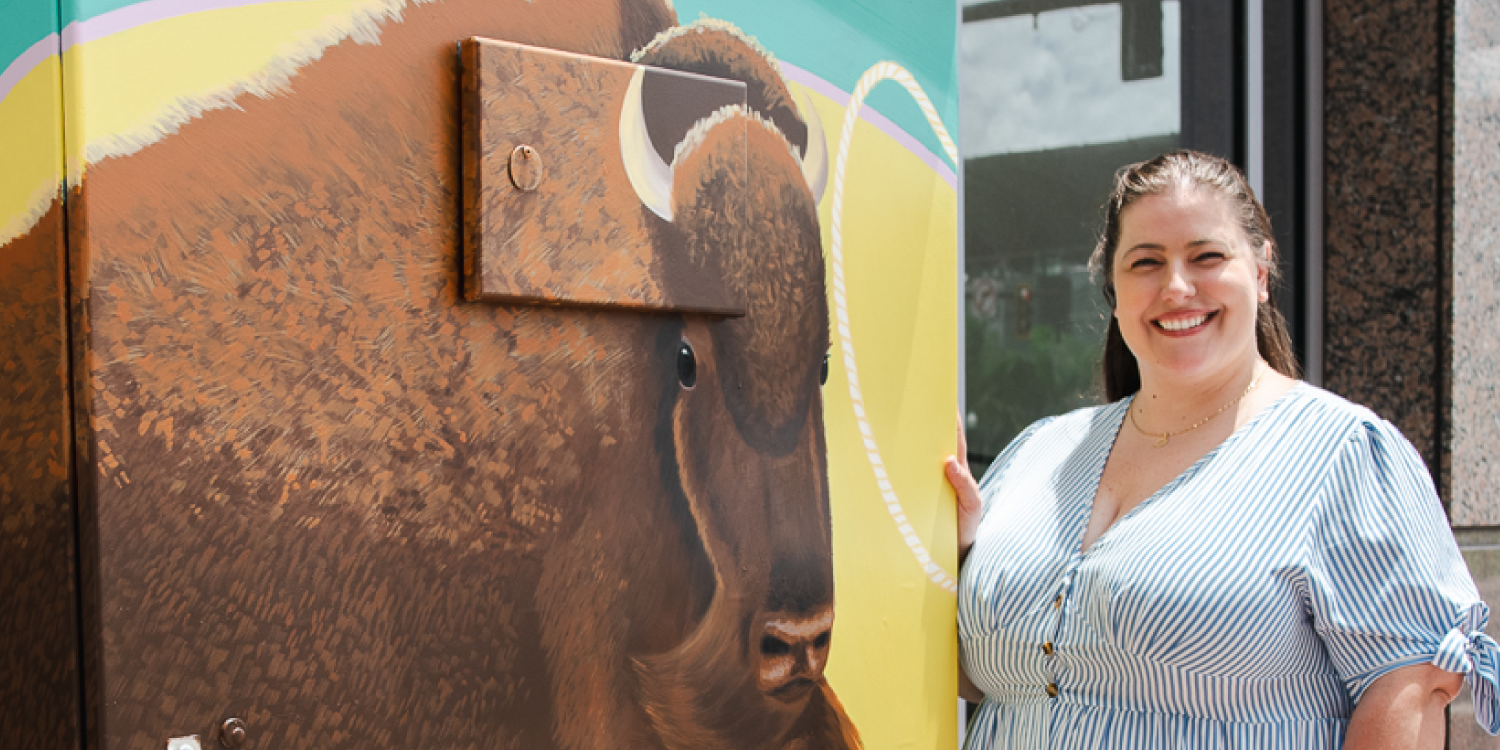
[1382, 200]
[1412, 216]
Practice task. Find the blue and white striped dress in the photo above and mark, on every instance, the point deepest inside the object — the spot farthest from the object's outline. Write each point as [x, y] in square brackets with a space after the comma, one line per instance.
[1246, 604]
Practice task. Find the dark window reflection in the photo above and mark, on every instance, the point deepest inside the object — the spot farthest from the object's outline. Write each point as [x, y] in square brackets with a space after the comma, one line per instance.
[1052, 103]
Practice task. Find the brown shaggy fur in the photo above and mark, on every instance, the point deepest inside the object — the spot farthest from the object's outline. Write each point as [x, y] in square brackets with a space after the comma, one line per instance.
[39, 656]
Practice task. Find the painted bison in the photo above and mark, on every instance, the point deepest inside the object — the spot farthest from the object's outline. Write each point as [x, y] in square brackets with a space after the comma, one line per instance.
[324, 490]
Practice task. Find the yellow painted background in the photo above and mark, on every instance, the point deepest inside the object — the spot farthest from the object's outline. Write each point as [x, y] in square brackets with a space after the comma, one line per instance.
[31, 148]
[130, 89]
[894, 658]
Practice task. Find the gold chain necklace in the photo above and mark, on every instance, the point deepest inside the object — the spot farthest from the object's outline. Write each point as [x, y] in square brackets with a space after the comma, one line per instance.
[1161, 439]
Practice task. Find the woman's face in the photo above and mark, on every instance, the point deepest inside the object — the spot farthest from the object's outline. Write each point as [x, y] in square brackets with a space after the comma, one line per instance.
[1187, 286]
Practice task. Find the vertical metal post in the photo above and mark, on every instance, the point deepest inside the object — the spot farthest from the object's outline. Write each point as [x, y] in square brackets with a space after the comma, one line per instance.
[1140, 40]
[1313, 159]
[963, 406]
[1255, 96]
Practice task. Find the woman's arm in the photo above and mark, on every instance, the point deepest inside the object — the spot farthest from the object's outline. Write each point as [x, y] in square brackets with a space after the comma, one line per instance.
[1403, 710]
[966, 688]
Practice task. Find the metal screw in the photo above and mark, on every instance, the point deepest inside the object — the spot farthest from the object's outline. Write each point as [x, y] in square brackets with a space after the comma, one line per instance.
[526, 167]
[232, 732]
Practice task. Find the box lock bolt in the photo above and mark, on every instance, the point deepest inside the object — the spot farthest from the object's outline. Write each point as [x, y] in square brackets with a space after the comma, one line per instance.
[232, 733]
[525, 168]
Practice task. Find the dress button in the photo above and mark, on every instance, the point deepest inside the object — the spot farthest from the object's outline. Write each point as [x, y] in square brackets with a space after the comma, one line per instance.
[1057, 603]
[1052, 689]
[1047, 648]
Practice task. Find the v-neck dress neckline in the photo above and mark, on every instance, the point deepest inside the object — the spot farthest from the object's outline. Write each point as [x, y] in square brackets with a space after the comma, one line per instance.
[1224, 445]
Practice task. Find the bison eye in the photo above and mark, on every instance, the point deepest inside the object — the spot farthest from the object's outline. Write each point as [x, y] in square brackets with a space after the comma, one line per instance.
[687, 366]
[823, 374]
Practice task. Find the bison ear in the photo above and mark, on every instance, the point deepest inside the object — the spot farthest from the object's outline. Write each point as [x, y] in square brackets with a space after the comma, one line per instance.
[719, 49]
[704, 246]
[762, 235]
[762, 240]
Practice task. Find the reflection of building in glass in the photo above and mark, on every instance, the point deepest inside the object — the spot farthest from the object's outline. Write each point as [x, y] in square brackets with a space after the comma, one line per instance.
[1032, 83]
[1060, 300]
[1140, 28]
[1056, 95]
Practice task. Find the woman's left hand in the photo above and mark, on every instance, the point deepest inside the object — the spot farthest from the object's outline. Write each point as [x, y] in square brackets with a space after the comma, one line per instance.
[956, 468]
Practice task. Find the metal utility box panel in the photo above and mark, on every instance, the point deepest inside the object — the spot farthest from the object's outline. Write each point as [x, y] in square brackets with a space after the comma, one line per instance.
[477, 374]
[349, 484]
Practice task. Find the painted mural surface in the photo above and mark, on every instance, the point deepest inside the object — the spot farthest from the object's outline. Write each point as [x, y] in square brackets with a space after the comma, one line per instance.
[35, 513]
[673, 481]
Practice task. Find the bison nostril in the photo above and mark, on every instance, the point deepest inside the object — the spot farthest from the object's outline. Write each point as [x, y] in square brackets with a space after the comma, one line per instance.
[793, 652]
[770, 645]
[687, 366]
[823, 375]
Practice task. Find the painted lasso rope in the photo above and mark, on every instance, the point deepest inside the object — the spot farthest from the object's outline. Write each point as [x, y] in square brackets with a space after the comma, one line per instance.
[883, 71]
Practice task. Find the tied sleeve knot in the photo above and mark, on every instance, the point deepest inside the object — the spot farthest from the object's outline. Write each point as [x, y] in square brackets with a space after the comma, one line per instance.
[1467, 649]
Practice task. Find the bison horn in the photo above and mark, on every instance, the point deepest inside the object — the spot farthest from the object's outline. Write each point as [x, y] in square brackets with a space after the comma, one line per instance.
[649, 174]
[815, 156]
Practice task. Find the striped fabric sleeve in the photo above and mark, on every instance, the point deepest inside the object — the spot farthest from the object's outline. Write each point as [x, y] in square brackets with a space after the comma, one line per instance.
[1002, 462]
[1387, 587]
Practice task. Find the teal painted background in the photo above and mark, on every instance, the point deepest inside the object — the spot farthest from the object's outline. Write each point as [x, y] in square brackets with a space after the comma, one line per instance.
[834, 39]
[24, 23]
[839, 39]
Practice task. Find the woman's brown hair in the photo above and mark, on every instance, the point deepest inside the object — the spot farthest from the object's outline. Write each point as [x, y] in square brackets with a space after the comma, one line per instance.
[1185, 170]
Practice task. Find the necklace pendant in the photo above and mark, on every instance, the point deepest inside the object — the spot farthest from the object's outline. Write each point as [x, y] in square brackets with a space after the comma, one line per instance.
[1160, 442]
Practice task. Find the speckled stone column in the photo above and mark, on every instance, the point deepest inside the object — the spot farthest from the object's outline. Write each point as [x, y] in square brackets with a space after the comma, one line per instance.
[1383, 132]
[1474, 421]
[1474, 483]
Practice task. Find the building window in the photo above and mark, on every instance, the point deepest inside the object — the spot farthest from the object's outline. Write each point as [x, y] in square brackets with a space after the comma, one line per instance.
[1054, 97]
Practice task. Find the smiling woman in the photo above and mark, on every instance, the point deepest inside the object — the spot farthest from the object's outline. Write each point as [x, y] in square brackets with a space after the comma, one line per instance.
[1253, 563]
[1204, 205]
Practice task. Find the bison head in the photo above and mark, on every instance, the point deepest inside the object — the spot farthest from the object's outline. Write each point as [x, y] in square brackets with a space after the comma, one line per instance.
[746, 419]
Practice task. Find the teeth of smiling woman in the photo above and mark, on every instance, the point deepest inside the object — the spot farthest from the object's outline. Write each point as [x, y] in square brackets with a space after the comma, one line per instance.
[1182, 324]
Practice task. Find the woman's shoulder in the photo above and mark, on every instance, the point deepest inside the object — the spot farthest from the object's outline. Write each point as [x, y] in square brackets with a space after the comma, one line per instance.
[1309, 409]
[1056, 436]
[1346, 440]
[1078, 424]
